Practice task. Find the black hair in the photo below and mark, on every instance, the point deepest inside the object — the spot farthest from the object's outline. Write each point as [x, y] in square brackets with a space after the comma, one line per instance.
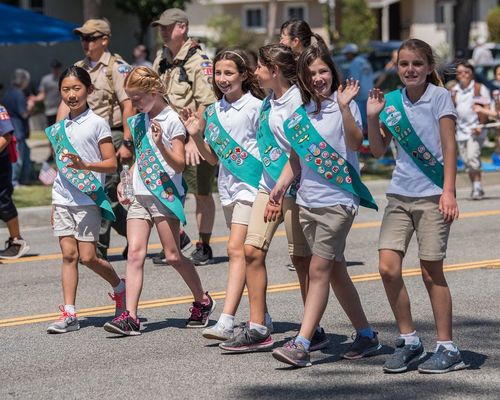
[300, 29]
[281, 56]
[79, 73]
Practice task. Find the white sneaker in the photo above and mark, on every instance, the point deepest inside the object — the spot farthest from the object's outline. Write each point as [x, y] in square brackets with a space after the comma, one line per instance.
[66, 323]
[269, 323]
[218, 332]
[14, 248]
[477, 194]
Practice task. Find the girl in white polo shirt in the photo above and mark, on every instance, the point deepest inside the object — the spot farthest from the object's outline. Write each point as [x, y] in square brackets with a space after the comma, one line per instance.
[84, 154]
[229, 127]
[421, 199]
[325, 134]
[157, 179]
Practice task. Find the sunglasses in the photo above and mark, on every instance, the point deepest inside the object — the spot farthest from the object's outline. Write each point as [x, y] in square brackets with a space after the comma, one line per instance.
[90, 38]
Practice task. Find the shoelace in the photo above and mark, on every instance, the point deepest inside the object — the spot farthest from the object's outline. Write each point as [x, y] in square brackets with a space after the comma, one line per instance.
[117, 297]
[196, 311]
[64, 314]
[122, 317]
[291, 344]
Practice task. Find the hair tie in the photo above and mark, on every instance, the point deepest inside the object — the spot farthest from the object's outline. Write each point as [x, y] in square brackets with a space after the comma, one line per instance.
[239, 55]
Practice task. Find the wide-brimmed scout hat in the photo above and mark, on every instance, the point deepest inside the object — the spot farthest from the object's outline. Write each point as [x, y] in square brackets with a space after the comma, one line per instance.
[93, 26]
[350, 48]
[171, 16]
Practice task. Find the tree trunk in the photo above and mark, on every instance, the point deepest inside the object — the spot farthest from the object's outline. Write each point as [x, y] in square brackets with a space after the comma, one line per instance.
[272, 10]
[92, 9]
[463, 20]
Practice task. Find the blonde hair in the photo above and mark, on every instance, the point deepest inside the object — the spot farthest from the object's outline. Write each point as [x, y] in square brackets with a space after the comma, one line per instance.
[146, 80]
[425, 50]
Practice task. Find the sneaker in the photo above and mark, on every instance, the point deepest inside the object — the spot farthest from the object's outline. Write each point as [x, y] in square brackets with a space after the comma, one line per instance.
[362, 346]
[248, 340]
[200, 313]
[124, 324]
[202, 255]
[218, 332]
[185, 243]
[66, 323]
[293, 353]
[14, 248]
[404, 356]
[442, 361]
[120, 301]
[269, 325]
[477, 194]
[319, 340]
[290, 267]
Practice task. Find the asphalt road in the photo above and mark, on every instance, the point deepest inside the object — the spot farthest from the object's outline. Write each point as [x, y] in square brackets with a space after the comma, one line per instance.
[167, 361]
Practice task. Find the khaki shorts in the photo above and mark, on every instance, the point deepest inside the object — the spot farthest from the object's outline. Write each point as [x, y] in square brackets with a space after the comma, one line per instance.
[200, 179]
[237, 213]
[261, 233]
[148, 207]
[82, 222]
[470, 153]
[405, 215]
[326, 229]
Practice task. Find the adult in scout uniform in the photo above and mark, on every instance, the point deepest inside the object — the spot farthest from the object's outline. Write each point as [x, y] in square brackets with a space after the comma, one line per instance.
[187, 73]
[109, 101]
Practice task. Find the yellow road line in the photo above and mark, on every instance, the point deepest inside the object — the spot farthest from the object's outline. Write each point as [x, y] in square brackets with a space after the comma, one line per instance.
[285, 287]
[224, 239]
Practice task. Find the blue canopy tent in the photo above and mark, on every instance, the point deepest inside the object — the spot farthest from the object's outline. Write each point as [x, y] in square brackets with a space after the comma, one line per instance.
[18, 26]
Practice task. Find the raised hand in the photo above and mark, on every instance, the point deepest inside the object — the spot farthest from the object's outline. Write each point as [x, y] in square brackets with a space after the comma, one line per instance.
[156, 133]
[376, 103]
[191, 121]
[347, 92]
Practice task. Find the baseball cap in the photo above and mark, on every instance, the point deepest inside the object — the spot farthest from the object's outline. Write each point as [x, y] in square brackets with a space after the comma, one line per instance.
[92, 26]
[171, 16]
[350, 48]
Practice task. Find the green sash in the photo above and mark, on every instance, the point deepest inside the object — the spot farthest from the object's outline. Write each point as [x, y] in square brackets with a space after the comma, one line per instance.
[396, 120]
[232, 155]
[322, 158]
[152, 173]
[84, 180]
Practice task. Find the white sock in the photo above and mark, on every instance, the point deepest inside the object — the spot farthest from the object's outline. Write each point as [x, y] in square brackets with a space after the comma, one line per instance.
[259, 328]
[226, 320]
[410, 338]
[447, 344]
[267, 319]
[120, 288]
[476, 185]
[70, 309]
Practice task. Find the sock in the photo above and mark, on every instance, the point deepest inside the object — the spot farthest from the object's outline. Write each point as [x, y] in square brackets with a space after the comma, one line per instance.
[226, 320]
[120, 288]
[70, 309]
[476, 185]
[410, 338]
[301, 339]
[447, 344]
[259, 328]
[366, 332]
[319, 329]
[267, 319]
[205, 238]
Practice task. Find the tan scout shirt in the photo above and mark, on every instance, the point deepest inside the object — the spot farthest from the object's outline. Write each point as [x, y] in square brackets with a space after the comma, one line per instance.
[198, 91]
[105, 99]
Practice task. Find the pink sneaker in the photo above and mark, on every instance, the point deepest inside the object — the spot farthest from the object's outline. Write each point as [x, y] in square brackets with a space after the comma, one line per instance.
[120, 301]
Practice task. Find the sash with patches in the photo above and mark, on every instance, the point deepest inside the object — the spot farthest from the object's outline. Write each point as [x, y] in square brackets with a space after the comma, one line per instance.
[84, 180]
[395, 119]
[152, 173]
[323, 159]
[231, 154]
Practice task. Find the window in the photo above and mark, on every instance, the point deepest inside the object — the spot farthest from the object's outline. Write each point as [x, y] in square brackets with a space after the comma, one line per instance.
[295, 11]
[254, 17]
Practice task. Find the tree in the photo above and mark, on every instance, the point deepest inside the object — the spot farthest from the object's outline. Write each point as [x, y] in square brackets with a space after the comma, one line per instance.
[228, 32]
[493, 20]
[147, 11]
[358, 22]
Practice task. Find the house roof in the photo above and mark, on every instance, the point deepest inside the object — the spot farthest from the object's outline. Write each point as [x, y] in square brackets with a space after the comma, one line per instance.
[380, 3]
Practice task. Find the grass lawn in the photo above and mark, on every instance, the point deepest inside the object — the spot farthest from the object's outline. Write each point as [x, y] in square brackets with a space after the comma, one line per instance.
[32, 195]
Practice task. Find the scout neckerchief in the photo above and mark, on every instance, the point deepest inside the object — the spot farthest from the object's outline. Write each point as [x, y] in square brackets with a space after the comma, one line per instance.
[231, 154]
[152, 173]
[323, 159]
[395, 119]
[84, 180]
[272, 156]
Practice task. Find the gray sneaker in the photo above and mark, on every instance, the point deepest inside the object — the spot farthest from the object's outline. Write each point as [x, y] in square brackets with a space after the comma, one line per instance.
[218, 332]
[404, 356]
[319, 340]
[442, 361]
[362, 346]
[293, 353]
[66, 323]
[14, 248]
[248, 340]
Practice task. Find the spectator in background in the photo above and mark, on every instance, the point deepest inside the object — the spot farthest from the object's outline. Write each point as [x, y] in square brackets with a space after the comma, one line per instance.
[141, 56]
[48, 92]
[361, 70]
[481, 54]
[19, 109]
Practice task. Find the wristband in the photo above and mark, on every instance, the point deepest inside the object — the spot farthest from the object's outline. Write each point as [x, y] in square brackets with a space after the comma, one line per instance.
[128, 143]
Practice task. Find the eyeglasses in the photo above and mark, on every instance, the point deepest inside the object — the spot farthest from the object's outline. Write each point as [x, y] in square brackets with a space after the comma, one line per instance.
[90, 38]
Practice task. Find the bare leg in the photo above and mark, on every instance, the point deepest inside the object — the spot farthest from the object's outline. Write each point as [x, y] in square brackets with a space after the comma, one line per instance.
[103, 268]
[69, 268]
[256, 279]
[205, 213]
[13, 227]
[301, 265]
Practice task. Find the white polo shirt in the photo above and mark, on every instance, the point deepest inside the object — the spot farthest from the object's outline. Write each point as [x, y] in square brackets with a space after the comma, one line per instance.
[424, 115]
[466, 117]
[315, 191]
[240, 119]
[172, 127]
[281, 110]
[84, 133]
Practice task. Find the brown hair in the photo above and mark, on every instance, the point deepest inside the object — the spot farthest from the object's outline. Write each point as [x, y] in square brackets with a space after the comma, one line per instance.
[425, 50]
[282, 57]
[144, 79]
[314, 52]
[300, 29]
[240, 59]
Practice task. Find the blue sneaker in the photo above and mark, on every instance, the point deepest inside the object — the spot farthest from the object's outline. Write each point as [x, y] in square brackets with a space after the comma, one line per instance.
[404, 356]
[442, 361]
